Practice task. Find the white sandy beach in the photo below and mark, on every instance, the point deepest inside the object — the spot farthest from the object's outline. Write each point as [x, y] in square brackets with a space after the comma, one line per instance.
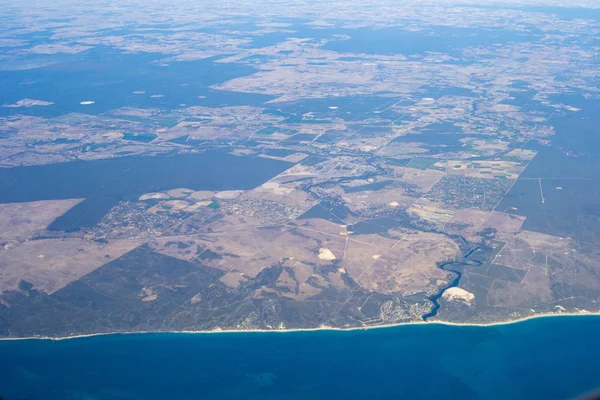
[322, 328]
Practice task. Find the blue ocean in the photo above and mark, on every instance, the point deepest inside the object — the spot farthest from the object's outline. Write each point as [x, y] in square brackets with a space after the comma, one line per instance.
[544, 358]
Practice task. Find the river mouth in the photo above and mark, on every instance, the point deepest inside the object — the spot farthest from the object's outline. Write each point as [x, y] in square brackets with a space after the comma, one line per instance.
[454, 283]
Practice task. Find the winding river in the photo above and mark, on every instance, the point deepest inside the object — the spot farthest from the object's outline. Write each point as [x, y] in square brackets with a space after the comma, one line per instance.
[435, 298]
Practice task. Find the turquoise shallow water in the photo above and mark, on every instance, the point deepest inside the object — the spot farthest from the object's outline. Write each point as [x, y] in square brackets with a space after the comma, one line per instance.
[549, 358]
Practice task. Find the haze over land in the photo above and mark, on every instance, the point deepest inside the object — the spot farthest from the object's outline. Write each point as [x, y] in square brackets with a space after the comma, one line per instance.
[283, 165]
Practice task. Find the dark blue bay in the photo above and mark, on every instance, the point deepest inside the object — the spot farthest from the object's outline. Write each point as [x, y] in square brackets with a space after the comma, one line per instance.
[103, 183]
[110, 78]
[395, 40]
[550, 358]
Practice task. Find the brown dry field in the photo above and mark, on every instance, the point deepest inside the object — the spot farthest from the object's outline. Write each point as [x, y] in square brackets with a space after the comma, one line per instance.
[282, 193]
[20, 221]
[50, 264]
[505, 223]
[404, 261]
[424, 179]
[408, 266]
[432, 211]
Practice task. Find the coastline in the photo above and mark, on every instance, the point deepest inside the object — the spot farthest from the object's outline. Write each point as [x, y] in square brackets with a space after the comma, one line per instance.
[323, 328]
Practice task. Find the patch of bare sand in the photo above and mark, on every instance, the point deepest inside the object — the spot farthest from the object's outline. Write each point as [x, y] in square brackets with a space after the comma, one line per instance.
[326, 254]
[458, 294]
